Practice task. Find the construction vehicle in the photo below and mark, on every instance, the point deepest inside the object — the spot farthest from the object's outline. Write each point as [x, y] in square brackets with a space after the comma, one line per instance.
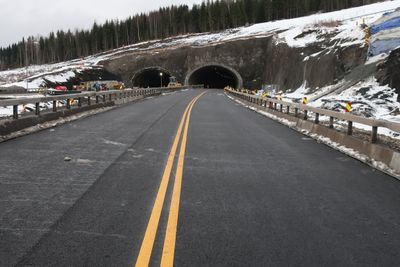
[100, 85]
[59, 90]
[173, 82]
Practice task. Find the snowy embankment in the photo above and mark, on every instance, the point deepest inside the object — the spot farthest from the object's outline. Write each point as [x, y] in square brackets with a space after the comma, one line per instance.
[344, 24]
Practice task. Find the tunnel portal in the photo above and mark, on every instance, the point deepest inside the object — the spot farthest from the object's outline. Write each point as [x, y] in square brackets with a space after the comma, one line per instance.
[214, 76]
[151, 77]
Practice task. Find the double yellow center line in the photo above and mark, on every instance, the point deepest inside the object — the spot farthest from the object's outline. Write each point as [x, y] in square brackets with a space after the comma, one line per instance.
[152, 226]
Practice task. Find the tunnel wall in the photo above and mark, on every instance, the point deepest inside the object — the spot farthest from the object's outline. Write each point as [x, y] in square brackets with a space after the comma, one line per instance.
[233, 72]
[257, 60]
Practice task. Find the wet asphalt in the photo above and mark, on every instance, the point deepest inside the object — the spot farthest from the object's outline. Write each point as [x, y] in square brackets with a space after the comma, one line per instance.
[254, 193]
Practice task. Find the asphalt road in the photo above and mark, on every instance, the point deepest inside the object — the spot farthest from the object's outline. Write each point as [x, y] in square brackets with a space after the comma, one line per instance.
[252, 192]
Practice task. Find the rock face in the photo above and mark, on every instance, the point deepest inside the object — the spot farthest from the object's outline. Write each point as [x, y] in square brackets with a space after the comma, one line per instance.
[389, 72]
[257, 61]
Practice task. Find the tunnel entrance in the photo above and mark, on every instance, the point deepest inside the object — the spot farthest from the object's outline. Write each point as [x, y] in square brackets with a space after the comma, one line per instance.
[215, 76]
[151, 77]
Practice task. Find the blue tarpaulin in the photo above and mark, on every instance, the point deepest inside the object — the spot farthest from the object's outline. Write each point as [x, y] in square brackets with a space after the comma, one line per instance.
[387, 25]
[383, 46]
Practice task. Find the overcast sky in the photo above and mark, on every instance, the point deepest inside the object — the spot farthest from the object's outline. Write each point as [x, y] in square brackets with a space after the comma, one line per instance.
[19, 18]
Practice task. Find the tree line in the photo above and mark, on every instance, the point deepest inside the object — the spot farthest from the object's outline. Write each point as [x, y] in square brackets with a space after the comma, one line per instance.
[209, 16]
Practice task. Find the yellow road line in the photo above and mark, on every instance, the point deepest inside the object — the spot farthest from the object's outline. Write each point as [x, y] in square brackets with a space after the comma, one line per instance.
[152, 226]
[168, 253]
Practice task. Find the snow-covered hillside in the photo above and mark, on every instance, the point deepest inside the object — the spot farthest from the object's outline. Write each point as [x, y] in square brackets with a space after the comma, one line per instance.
[343, 28]
[346, 31]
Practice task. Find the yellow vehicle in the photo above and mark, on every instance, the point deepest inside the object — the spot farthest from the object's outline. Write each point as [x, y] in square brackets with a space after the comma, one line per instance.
[173, 82]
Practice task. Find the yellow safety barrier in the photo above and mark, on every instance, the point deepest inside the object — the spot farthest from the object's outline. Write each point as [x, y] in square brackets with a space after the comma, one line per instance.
[348, 107]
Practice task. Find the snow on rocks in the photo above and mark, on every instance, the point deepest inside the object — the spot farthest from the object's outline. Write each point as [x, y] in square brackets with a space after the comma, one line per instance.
[368, 98]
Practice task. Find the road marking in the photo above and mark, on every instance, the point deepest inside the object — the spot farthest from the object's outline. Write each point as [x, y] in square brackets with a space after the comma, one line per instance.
[152, 226]
[168, 253]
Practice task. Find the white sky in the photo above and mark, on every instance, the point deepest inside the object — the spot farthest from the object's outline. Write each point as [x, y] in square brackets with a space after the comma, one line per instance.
[19, 18]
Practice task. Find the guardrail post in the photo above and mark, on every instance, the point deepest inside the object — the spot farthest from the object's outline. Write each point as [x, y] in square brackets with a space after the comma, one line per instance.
[349, 128]
[79, 101]
[331, 122]
[54, 105]
[374, 134]
[97, 99]
[316, 118]
[305, 114]
[88, 101]
[275, 108]
[296, 112]
[104, 98]
[68, 103]
[110, 97]
[37, 108]
[287, 109]
[281, 108]
[15, 112]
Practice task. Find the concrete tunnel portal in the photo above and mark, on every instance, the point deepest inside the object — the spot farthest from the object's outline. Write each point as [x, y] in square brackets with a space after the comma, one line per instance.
[211, 76]
[214, 76]
[151, 77]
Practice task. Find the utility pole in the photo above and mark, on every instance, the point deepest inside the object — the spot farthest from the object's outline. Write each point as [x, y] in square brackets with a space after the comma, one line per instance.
[26, 64]
[27, 78]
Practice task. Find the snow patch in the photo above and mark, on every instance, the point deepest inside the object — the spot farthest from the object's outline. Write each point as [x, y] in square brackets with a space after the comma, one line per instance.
[114, 143]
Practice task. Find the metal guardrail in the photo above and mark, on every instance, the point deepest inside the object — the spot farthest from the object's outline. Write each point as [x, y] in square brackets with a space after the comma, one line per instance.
[98, 97]
[287, 107]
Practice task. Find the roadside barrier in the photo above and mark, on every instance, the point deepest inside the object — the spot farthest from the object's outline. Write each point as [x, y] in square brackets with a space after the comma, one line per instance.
[75, 100]
[27, 112]
[297, 109]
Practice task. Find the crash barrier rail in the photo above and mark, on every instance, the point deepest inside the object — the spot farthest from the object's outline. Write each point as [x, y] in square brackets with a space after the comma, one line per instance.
[99, 96]
[80, 98]
[296, 108]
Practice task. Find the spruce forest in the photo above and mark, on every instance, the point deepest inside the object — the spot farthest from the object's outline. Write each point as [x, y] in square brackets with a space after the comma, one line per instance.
[210, 16]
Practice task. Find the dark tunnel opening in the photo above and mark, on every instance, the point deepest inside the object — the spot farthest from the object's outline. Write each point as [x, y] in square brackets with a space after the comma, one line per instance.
[214, 76]
[151, 78]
